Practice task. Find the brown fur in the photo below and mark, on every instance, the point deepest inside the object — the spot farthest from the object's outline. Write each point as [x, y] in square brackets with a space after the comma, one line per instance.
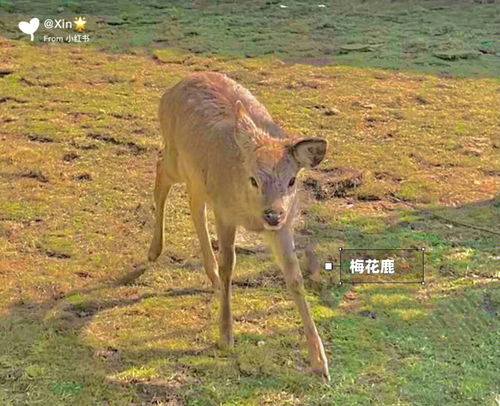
[222, 143]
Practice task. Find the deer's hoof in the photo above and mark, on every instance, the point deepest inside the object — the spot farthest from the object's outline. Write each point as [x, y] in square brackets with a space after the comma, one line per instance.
[319, 366]
[225, 344]
[322, 371]
[154, 252]
[215, 284]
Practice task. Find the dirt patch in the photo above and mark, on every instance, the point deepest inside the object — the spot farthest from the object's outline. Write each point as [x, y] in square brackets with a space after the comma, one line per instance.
[84, 147]
[83, 177]
[70, 156]
[40, 138]
[83, 274]
[492, 172]
[29, 174]
[332, 182]
[108, 354]
[368, 197]
[350, 302]
[158, 391]
[269, 278]
[239, 249]
[387, 176]
[135, 148]
[6, 72]
[14, 99]
[368, 313]
[29, 82]
[34, 174]
[105, 138]
[82, 310]
[175, 259]
[300, 84]
[327, 111]
[124, 116]
[54, 253]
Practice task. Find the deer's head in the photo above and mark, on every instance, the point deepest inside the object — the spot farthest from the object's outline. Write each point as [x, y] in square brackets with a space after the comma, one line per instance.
[271, 167]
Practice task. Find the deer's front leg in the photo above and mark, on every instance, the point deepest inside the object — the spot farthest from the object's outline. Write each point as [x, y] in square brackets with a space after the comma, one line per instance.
[227, 258]
[281, 242]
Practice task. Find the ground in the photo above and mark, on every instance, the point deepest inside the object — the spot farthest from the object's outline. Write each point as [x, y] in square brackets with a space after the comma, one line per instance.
[84, 319]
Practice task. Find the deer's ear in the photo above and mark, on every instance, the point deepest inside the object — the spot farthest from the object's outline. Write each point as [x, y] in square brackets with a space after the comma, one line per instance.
[309, 152]
[245, 129]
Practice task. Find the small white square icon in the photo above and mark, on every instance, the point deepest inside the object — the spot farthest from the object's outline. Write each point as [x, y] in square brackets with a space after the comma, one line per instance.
[328, 266]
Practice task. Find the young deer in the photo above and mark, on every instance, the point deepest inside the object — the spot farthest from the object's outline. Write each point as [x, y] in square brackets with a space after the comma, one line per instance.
[222, 143]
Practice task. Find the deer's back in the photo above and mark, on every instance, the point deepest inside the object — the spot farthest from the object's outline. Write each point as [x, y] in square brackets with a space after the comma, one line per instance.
[207, 101]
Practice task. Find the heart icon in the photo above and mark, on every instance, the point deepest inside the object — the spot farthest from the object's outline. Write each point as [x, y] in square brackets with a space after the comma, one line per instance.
[29, 28]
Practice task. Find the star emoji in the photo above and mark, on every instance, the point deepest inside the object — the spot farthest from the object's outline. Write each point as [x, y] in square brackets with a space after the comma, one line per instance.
[80, 23]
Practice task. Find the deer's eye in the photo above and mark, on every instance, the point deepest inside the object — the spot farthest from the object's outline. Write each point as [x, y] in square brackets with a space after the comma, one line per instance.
[292, 182]
[254, 182]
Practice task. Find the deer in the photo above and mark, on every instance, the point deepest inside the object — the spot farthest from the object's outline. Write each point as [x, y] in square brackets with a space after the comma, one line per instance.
[222, 143]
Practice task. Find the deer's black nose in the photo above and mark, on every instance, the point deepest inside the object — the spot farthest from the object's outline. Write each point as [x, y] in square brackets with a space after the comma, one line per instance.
[273, 217]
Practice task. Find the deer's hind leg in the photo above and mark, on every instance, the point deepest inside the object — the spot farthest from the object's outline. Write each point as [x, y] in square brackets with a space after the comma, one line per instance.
[163, 183]
[198, 213]
[227, 257]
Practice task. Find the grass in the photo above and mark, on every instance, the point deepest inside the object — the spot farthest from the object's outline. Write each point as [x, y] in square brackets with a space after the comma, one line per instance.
[85, 320]
[444, 37]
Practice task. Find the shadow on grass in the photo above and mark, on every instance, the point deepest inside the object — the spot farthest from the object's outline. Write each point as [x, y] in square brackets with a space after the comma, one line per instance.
[416, 335]
[382, 34]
